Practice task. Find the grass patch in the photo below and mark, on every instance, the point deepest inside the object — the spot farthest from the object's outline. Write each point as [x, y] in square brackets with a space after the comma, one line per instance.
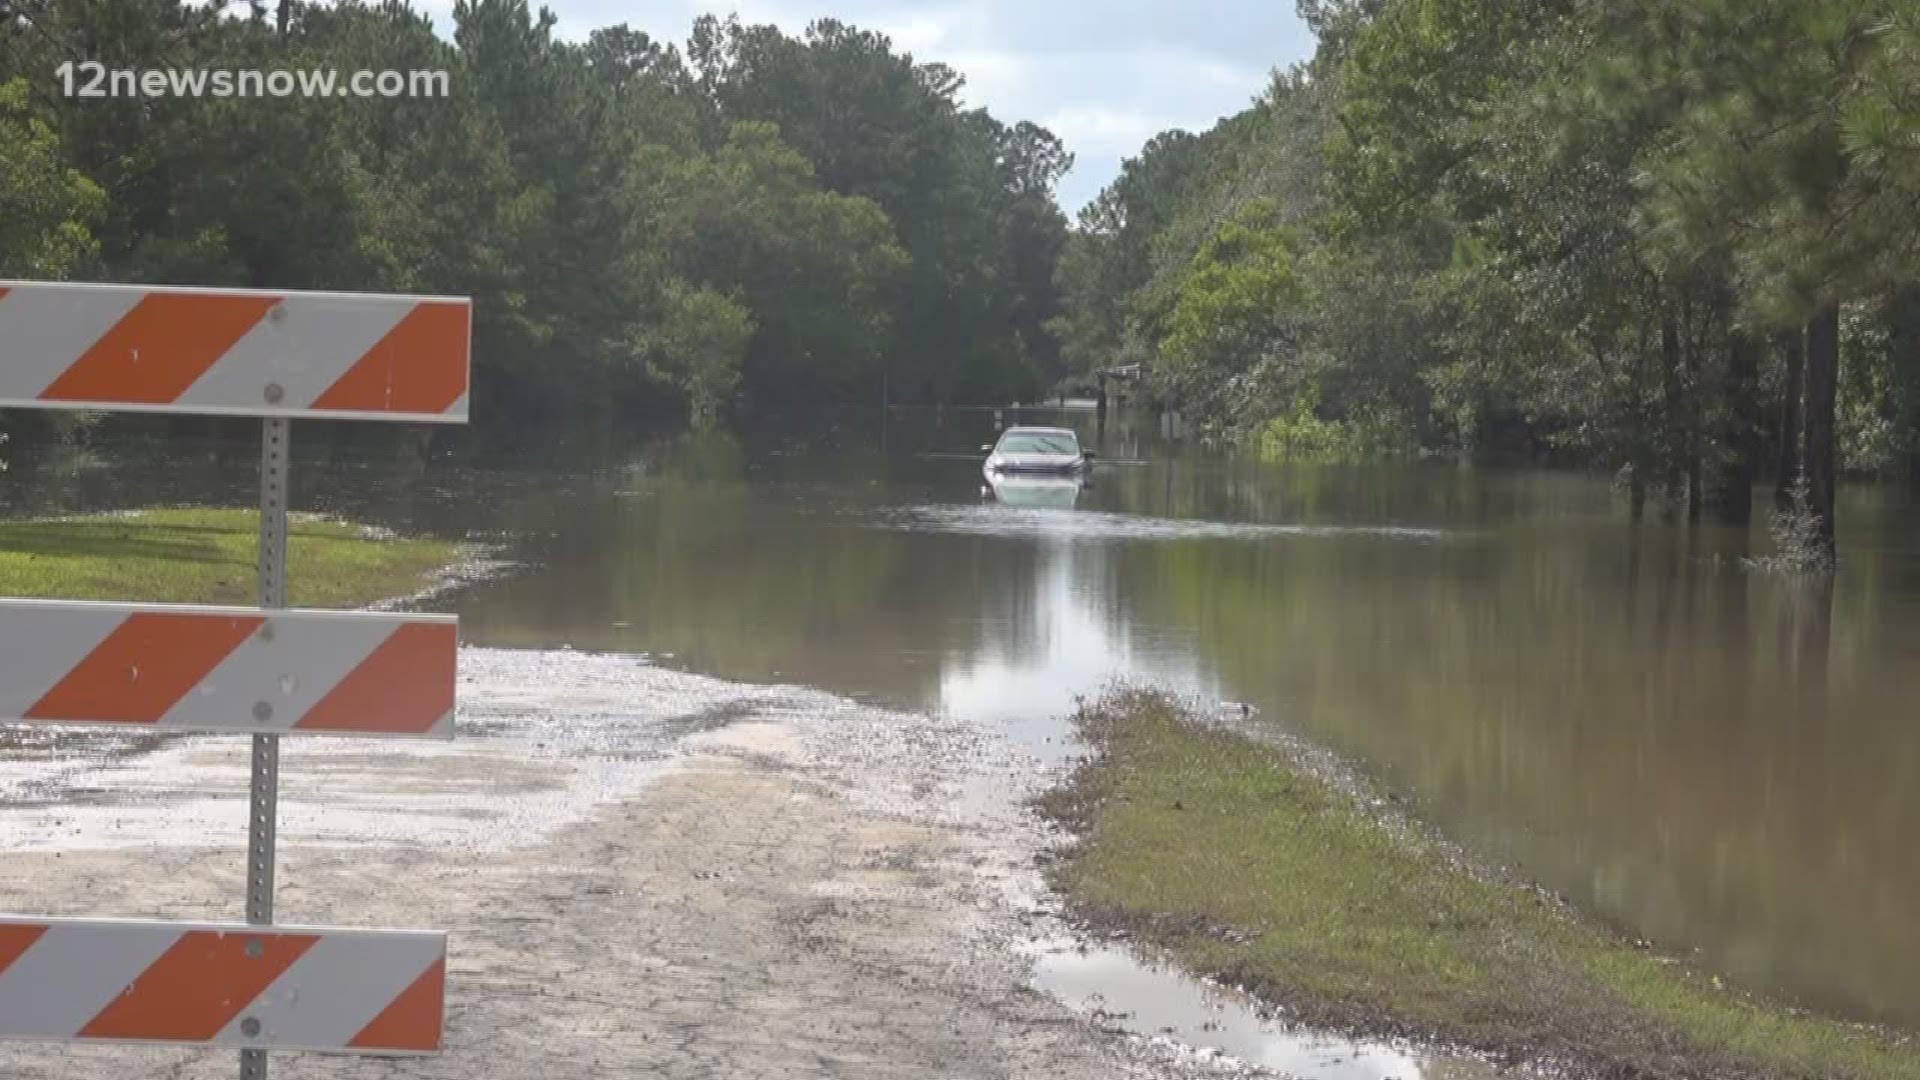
[208, 556]
[1247, 863]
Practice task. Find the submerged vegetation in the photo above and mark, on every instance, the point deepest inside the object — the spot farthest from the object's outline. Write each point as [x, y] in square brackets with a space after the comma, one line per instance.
[1674, 239]
[209, 556]
[1797, 544]
[1246, 860]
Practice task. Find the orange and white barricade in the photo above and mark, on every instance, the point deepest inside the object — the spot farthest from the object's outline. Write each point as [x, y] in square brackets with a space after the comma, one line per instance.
[235, 670]
[282, 988]
[233, 351]
[266, 671]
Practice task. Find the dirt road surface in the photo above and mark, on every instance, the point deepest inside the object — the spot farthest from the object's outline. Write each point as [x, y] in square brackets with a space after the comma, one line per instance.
[643, 873]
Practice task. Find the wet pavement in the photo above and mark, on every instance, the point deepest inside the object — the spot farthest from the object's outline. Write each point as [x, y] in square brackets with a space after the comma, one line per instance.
[542, 740]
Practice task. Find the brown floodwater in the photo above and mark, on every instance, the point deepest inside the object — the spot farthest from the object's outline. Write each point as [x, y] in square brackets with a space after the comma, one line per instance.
[1721, 761]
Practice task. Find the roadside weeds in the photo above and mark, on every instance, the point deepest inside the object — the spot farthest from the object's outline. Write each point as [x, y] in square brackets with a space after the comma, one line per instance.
[1253, 863]
[206, 555]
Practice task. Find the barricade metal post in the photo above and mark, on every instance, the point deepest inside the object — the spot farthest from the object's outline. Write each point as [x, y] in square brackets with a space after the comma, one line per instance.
[263, 797]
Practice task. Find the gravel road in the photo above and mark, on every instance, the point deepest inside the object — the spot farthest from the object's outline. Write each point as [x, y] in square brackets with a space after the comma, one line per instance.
[643, 872]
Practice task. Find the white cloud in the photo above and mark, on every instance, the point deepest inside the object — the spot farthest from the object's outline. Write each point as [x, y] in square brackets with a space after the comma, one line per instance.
[1098, 128]
[995, 80]
[440, 10]
[921, 30]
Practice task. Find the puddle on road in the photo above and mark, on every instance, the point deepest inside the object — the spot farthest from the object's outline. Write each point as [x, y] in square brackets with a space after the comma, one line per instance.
[545, 738]
[1124, 993]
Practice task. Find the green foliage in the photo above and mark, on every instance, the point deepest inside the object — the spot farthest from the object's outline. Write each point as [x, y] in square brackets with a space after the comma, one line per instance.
[1798, 546]
[823, 198]
[1236, 283]
[814, 268]
[1233, 326]
[699, 342]
[1576, 230]
[1106, 269]
[1879, 392]
[1300, 434]
[1777, 151]
[969, 198]
[208, 556]
[47, 208]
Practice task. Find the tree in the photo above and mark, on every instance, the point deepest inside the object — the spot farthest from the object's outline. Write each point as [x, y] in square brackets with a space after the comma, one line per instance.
[1031, 159]
[1233, 335]
[1792, 155]
[965, 194]
[814, 268]
[1637, 236]
[47, 208]
[697, 342]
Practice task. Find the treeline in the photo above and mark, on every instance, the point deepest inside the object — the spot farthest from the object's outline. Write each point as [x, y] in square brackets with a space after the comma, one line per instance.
[749, 222]
[1680, 241]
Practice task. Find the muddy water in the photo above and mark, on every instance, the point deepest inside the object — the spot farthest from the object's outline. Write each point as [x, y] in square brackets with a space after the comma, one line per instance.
[1717, 760]
[1117, 989]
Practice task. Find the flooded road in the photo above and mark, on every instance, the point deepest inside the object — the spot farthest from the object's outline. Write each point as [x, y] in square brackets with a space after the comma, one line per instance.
[1718, 760]
[640, 871]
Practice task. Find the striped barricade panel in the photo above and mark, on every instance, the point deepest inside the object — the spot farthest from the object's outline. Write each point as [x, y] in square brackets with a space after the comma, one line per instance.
[253, 987]
[234, 352]
[229, 670]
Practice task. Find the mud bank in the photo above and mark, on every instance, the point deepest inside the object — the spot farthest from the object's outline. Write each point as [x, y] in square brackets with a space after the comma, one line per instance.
[643, 872]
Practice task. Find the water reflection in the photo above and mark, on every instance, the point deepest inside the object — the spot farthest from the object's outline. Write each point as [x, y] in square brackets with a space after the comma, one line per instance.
[1047, 641]
[1110, 984]
[1716, 759]
[1051, 493]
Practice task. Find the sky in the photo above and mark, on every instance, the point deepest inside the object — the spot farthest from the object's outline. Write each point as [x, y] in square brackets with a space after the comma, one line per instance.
[1104, 75]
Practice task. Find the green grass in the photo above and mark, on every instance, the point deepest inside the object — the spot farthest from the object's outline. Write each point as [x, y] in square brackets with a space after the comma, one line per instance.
[1245, 863]
[207, 556]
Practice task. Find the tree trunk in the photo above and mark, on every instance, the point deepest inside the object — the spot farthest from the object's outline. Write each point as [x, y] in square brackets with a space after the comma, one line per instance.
[1793, 346]
[1639, 460]
[1903, 331]
[1673, 389]
[1823, 381]
[1693, 436]
[1696, 479]
[1735, 482]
